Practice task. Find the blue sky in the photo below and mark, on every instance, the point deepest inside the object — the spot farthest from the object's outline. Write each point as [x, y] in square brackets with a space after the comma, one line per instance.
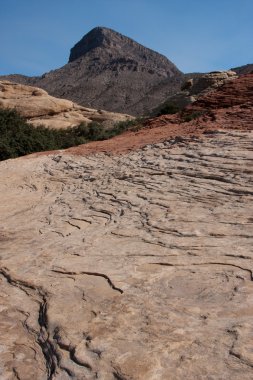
[197, 35]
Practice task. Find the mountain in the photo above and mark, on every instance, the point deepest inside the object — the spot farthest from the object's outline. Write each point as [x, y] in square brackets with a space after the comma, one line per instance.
[110, 71]
[246, 69]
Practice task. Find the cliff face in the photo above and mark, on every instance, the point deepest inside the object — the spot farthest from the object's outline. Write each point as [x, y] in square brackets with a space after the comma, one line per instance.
[110, 71]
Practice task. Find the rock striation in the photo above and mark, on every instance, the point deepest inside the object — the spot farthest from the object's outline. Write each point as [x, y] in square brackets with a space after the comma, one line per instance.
[232, 93]
[42, 109]
[110, 71]
[211, 81]
[133, 266]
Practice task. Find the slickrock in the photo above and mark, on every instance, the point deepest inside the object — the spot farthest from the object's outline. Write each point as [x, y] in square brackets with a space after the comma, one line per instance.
[43, 109]
[133, 266]
[136, 266]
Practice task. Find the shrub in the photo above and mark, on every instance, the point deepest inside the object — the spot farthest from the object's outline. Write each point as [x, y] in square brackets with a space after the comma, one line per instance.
[167, 109]
[126, 125]
[18, 138]
[192, 116]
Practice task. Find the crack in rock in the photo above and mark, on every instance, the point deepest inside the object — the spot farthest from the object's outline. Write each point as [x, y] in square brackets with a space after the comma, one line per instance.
[90, 274]
[208, 263]
[42, 337]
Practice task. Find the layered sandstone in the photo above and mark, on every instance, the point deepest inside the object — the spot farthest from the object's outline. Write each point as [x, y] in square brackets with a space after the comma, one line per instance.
[42, 109]
[133, 266]
[195, 88]
[129, 267]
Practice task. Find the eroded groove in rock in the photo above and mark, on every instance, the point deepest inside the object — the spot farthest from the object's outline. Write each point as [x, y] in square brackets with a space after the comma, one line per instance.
[42, 336]
[91, 274]
[207, 263]
[48, 348]
[15, 372]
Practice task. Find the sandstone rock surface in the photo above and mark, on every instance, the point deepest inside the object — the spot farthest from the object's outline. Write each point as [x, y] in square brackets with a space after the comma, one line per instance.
[133, 266]
[129, 267]
[41, 108]
[211, 81]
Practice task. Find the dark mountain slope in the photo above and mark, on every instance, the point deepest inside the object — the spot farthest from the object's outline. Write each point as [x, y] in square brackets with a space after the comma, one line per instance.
[110, 71]
[246, 69]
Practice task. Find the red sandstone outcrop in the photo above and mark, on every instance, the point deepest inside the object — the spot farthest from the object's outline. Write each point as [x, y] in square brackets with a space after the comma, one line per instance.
[231, 107]
[194, 88]
[232, 93]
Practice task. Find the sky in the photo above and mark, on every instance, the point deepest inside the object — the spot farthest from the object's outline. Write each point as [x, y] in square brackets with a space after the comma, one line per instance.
[196, 35]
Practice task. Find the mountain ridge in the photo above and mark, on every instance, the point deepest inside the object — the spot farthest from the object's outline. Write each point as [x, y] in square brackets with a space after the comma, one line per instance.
[101, 36]
[110, 71]
[107, 70]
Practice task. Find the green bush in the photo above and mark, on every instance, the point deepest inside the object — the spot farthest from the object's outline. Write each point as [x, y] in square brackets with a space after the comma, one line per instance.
[167, 109]
[18, 138]
[123, 126]
[192, 116]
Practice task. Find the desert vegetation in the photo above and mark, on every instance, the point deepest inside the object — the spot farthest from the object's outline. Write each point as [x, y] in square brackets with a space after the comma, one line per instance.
[18, 138]
[166, 109]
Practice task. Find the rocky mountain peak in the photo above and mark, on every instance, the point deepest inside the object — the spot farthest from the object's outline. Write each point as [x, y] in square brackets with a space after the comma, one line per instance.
[113, 45]
[97, 37]
[107, 70]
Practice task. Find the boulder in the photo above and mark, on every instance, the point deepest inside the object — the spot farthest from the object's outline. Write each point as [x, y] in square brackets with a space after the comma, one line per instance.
[188, 84]
[211, 81]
